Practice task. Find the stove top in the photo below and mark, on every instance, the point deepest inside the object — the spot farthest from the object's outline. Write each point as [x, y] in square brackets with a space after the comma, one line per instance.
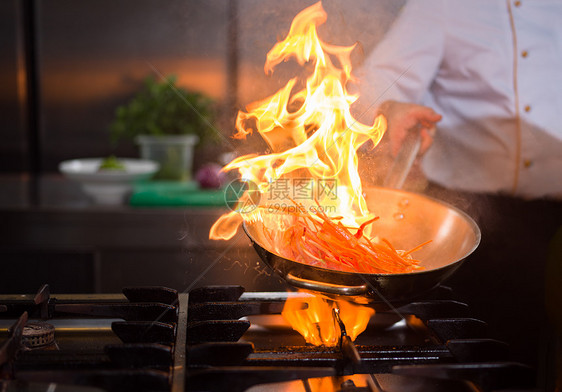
[220, 338]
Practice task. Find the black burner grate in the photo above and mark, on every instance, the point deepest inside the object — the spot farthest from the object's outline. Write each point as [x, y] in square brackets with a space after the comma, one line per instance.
[220, 338]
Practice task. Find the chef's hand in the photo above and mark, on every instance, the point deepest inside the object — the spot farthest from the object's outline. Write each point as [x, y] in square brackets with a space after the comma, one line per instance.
[402, 116]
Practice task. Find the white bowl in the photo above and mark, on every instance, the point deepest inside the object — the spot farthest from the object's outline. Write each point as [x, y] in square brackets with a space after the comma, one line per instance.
[108, 187]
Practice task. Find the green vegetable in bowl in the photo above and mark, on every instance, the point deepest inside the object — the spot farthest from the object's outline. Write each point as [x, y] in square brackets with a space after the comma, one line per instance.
[111, 163]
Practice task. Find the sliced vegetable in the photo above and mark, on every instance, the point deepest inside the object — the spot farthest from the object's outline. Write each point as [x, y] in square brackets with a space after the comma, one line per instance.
[316, 239]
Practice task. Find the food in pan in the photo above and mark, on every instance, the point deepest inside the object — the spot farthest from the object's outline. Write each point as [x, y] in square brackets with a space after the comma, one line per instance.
[317, 239]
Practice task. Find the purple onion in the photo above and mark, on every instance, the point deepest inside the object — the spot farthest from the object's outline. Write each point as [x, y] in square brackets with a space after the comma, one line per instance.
[209, 176]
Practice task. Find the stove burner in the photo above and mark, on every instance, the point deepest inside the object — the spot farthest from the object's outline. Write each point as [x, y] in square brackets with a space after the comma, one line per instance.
[38, 334]
[221, 338]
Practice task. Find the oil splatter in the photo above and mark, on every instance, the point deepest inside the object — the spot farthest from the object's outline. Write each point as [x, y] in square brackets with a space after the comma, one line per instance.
[404, 203]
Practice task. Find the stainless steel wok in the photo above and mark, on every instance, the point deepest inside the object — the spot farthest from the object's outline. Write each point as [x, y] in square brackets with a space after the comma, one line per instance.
[406, 220]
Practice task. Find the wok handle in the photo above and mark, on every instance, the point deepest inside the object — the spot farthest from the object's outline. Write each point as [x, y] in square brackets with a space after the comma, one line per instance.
[405, 159]
[323, 287]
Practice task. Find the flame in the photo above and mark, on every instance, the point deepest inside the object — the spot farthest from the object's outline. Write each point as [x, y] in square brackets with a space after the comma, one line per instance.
[316, 323]
[311, 132]
[326, 384]
[314, 140]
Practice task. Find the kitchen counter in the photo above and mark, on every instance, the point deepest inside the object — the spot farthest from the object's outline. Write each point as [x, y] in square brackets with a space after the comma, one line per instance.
[52, 233]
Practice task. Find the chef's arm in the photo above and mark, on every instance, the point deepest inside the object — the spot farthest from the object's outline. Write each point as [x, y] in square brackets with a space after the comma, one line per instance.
[402, 68]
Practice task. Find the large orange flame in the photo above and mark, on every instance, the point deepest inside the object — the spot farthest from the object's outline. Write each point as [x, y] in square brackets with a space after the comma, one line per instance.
[314, 141]
[311, 131]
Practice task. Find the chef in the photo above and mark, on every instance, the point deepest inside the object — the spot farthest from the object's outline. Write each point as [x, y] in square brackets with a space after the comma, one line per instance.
[483, 79]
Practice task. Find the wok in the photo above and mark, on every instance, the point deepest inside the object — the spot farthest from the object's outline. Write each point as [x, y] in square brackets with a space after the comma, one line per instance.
[406, 219]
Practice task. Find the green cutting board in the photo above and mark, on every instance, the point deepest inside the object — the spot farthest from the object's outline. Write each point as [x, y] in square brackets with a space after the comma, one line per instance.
[175, 194]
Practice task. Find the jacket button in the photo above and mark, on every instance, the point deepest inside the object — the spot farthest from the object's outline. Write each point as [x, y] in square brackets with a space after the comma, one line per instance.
[527, 108]
[517, 3]
[527, 163]
[524, 54]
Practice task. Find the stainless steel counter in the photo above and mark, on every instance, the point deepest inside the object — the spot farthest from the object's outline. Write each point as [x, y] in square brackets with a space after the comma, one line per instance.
[66, 241]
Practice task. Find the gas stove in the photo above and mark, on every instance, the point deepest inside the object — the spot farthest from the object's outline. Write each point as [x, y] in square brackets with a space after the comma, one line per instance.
[220, 338]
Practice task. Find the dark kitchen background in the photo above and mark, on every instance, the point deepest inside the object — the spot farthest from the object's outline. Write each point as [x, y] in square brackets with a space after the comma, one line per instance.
[66, 65]
[64, 68]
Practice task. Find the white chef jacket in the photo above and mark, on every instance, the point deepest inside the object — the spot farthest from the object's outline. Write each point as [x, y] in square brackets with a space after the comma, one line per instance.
[493, 69]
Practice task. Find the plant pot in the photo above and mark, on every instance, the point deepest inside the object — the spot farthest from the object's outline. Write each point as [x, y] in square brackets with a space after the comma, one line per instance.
[173, 153]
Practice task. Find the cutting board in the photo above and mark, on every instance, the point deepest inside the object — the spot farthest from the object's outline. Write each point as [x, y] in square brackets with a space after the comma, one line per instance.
[175, 194]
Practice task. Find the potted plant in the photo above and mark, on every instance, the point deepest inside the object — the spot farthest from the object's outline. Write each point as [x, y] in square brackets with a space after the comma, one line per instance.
[167, 121]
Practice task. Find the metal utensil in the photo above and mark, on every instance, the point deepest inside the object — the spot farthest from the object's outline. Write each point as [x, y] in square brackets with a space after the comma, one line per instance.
[405, 159]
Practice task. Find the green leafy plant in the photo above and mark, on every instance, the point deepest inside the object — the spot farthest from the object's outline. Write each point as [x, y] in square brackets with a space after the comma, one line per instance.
[163, 108]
